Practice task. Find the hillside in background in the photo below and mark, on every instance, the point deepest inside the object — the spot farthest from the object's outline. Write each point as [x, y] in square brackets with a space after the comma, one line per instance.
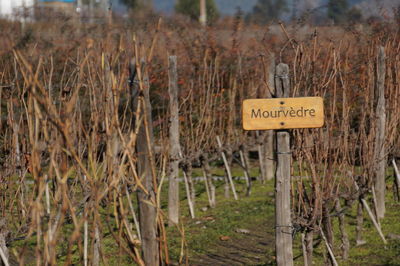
[226, 7]
[229, 7]
[384, 8]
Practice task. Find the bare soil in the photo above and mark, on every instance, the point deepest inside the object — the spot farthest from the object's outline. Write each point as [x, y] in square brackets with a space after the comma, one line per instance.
[253, 248]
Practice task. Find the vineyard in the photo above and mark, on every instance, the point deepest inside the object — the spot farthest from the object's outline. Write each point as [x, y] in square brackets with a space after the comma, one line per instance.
[123, 143]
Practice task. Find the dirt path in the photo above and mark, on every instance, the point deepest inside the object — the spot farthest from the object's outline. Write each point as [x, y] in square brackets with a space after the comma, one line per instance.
[253, 248]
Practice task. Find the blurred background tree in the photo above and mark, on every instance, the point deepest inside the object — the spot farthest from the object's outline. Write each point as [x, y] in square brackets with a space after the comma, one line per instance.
[337, 10]
[132, 4]
[354, 15]
[191, 8]
[268, 10]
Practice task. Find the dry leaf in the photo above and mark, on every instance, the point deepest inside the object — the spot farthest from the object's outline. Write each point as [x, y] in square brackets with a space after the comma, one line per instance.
[209, 218]
[224, 238]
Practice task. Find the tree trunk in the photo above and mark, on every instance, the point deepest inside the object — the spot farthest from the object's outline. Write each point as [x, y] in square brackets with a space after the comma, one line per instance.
[203, 12]
[360, 222]
[342, 228]
[328, 231]
[174, 150]
[380, 156]
[308, 247]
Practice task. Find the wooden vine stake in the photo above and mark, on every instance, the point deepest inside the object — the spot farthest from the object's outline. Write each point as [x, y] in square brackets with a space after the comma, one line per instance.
[397, 174]
[145, 167]
[283, 113]
[371, 215]
[269, 138]
[244, 163]
[228, 169]
[175, 149]
[380, 157]
[283, 221]
[4, 253]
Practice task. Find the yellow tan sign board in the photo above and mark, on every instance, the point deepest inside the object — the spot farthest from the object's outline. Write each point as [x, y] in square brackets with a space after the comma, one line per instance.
[283, 113]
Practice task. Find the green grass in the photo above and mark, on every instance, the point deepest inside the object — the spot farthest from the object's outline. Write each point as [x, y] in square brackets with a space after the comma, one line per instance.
[374, 252]
[202, 234]
[228, 215]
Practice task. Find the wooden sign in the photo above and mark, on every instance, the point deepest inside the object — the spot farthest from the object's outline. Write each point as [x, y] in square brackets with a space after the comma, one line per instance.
[283, 113]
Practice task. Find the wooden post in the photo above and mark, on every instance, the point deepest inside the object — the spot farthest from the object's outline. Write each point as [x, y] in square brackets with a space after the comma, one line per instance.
[135, 220]
[396, 171]
[208, 190]
[375, 204]
[397, 177]
[146, 202]
[376, 224]
[326, 226]
[328, 246]
[85, 241]
[188, 170]
[359, 227]
[4, 254]
[261, 155]
[228, 170]
[269, 134]
[380, 156]
[283, 224]
[207, 174]
[342, 228]
[188, 195]
[189, 185]
[203, 12]
[174, 150]
[245, 168]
